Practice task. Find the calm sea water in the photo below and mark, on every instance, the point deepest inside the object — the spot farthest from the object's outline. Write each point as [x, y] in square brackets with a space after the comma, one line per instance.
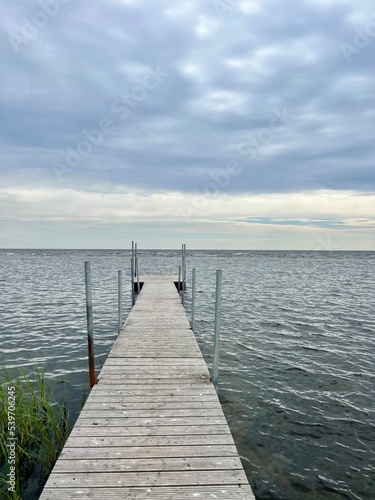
[297, 359]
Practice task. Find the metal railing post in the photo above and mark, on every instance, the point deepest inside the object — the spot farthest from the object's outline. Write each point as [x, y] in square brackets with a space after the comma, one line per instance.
[193, 300]
[132, 279]
[119, 301]
[215, 362]
[136, 269]
[90, 325]
[183, 276]
[179, 280]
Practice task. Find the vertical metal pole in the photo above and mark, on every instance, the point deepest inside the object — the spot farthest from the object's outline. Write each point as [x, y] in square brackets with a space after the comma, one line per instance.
[137, 273]
[184, 278]
[119, 301]
[193, 300]
[179, 279]
[90, 325]
[135, 259]
[183, 273]
[136, 265]
[133, 270]
[132, 279]
[182, 262]
[215, 362]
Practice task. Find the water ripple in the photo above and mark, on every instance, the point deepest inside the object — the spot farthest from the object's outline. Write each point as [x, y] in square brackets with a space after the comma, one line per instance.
[297, 357]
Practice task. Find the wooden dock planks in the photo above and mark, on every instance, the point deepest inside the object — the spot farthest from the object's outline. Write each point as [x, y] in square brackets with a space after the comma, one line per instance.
[153, 426]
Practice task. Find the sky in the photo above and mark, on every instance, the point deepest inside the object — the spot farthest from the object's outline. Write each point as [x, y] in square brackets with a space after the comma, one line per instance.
[222, 124]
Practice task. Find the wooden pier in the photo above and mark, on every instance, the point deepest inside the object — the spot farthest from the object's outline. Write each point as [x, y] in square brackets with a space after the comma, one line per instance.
[153, 426]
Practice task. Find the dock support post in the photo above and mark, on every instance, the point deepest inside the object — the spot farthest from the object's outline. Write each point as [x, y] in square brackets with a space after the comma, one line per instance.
[90, 325]
[132, 280]
[119, 301]
[215, 363]
[179, 280]
[193, 300]
[135, 259]
[136, 270]
[183, 277]
[182, 274]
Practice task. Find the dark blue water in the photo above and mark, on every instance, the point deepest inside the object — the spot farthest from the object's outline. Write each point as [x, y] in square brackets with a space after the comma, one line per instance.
[297, 377]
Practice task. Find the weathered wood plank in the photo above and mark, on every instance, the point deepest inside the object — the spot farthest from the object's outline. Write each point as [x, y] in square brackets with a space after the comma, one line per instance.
[148, 348]
[197, 367]
[151, 371]
[182, 440]
[162, 395]
[161, 335]
[152, 422]
[158, 413]
[177, 391]
[160, 341]
[174, 343]
[180, 401]
[160, 405]
[180, 388]
[140, 478]
[128, 381]
[185, 362]
[165, 430]
[148, 452]
[124, 376]
[170, 364]
[227, 492]
[156, 354]
[136, 326]
[148, 464]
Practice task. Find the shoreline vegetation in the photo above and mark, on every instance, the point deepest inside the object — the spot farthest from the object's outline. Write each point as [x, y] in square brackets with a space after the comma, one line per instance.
[33, 431]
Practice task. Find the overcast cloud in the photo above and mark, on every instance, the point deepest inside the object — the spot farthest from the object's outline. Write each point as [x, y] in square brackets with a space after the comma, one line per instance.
[223, 123]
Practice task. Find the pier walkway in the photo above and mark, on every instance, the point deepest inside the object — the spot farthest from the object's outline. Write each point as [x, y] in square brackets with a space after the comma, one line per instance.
[153, 426]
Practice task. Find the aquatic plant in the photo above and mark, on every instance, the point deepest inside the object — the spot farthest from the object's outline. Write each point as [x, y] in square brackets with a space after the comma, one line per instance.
[33, 430]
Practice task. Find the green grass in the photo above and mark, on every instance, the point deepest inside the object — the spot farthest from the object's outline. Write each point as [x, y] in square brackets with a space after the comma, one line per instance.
[40, 430]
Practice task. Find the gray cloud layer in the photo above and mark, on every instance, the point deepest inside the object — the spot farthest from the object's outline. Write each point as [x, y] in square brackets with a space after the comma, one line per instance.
[270, 87]
[122, 115]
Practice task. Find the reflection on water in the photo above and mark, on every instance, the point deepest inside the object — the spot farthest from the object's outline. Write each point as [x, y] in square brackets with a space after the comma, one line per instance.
[297, 355]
